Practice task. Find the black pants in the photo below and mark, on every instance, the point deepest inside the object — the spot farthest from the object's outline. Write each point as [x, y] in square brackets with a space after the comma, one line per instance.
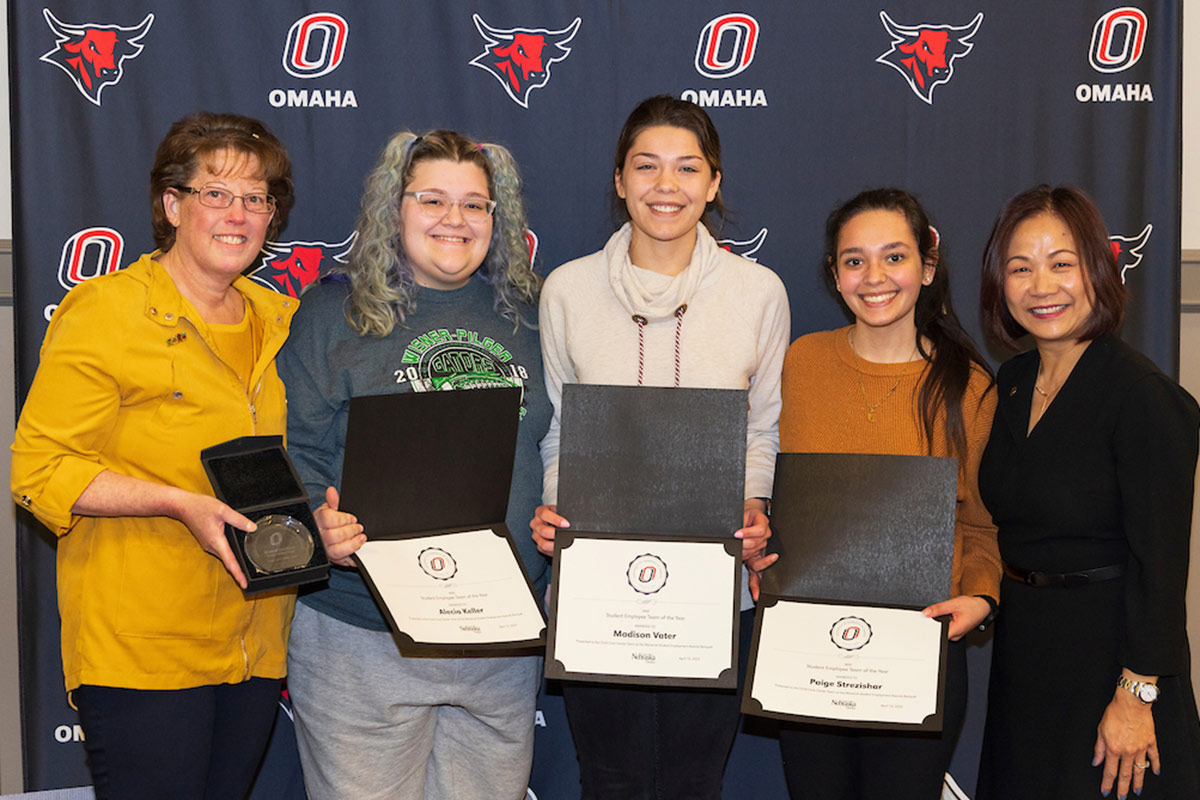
[826, 763]
[186, 744]
[648, 743]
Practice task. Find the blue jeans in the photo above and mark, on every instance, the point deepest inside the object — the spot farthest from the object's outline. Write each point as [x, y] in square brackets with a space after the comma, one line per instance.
[652, 743]
[203, 743]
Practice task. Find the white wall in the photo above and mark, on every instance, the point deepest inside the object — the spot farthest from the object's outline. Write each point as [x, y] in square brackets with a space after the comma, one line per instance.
[10, 708]
[5, 164]
[11, 773]
[1191, 124]
[1189, 342]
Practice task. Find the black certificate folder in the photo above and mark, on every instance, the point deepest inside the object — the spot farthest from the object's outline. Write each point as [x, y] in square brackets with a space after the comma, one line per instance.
[863, 528]
[428, 476]
[652, 460]
[648, 577]
[426, 461]
[865, 542]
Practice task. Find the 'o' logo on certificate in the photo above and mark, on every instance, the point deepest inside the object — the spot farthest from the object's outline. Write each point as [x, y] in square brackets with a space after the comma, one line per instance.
[850, 633]
[647, 573]
[437, 563]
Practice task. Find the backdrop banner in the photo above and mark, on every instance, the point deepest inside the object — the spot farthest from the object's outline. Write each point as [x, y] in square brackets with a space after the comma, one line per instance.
[963, 104]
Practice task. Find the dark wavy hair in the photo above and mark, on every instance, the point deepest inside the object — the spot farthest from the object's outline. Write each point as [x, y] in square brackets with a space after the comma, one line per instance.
[953, 355]
[198, 137]
[663, 109]
[1073, 206]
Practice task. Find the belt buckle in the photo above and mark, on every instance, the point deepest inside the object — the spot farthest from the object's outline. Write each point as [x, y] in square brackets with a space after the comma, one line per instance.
[1034, 578]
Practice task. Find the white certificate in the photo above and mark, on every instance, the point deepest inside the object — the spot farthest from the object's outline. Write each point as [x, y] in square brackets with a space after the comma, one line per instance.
[453, 589]
[638, 611]
[864, 666]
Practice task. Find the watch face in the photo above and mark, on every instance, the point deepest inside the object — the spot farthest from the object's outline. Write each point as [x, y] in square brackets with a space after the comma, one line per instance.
[1148, 693]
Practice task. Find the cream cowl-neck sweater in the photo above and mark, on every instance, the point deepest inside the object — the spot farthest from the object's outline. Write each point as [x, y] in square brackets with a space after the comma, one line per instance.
[733, 335]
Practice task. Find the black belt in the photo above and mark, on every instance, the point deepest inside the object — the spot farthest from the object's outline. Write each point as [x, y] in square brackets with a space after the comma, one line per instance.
[1064, 579]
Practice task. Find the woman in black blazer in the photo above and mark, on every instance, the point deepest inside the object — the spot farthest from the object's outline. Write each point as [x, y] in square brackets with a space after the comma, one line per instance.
[1088, 474]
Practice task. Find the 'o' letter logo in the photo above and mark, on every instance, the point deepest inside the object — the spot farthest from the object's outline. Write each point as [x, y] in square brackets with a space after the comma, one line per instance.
[726, 45]
[850, 633]
[1118, 39]
[90, 253]
[647, 573]
[315, 45]
[437, 563]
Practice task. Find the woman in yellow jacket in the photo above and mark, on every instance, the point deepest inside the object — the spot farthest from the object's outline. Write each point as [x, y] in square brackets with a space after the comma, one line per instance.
[175, 673]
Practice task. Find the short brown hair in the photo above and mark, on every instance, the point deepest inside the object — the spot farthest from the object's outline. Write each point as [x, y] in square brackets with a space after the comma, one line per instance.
[1073, 206]
[200, 135]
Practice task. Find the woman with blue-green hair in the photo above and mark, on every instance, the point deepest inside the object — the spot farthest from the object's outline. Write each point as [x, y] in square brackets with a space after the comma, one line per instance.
[441, 266]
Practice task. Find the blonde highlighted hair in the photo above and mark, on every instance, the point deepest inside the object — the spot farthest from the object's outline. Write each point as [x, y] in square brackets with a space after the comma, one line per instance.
[383, 289]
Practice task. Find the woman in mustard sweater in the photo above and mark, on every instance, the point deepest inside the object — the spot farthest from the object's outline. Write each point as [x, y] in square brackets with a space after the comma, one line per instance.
[176, 674]
[904, 379]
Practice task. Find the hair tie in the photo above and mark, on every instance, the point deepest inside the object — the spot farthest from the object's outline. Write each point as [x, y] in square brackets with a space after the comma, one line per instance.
[410, 144]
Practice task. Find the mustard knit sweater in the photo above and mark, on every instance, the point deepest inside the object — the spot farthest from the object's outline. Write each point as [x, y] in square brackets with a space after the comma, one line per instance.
[824, 411]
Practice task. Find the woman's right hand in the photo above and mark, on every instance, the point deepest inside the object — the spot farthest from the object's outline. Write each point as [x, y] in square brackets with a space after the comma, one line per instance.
[205, 516]
[966, 613]
[544, 524]
[340, 532]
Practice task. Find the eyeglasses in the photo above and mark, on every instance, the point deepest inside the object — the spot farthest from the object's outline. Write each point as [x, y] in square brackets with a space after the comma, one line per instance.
[216, 197]
[436, 205]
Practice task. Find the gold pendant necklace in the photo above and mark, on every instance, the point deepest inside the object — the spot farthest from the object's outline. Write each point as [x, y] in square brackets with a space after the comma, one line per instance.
[871, 408]
[1046, 396]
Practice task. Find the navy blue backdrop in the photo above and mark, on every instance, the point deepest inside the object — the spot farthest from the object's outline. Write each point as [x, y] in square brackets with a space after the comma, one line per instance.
[964, 104]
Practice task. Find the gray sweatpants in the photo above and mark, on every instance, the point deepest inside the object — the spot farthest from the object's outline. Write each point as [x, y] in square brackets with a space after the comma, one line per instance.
[371, 723]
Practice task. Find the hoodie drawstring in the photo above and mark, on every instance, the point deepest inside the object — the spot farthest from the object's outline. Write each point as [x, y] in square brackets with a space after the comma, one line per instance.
[641, 323]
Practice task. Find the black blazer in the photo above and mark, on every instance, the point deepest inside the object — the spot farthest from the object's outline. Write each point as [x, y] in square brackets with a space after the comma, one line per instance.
[1105, 477]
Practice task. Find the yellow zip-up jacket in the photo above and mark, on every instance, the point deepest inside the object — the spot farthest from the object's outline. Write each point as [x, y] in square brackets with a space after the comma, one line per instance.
[130, 381]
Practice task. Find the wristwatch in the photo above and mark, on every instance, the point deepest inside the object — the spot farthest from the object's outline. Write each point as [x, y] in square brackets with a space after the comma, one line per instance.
[1146, 692]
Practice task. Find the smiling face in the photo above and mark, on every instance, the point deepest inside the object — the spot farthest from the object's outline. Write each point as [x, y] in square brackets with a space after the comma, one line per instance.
[666, 182]
[879, 271]
[218, 242]
[444, 253]
[1046, 287]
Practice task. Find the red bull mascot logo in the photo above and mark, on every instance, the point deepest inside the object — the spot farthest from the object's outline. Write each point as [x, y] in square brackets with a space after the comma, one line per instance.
[746, 248]
[1127, 250]
[94, 55]
[925, 54]
[520, 58]
[287, 267]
